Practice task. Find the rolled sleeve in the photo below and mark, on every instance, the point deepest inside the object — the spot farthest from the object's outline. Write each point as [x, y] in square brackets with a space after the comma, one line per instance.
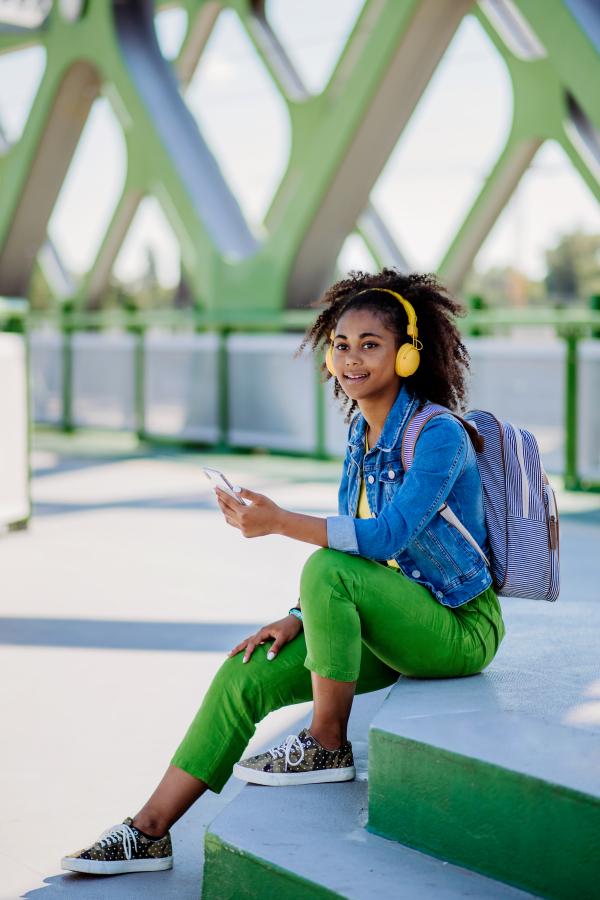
[341, 534]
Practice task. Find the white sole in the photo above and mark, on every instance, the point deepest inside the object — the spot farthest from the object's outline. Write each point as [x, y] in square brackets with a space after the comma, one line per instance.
[118, 867]
[347, 773]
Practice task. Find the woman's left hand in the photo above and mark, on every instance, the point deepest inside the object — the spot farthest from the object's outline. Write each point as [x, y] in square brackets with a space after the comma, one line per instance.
[253, 521]
[283, 631]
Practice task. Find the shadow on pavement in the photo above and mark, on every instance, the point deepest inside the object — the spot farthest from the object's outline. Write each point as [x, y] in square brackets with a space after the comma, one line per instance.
[182, 502]
[183, 881]
[194, 637]
[139, 884]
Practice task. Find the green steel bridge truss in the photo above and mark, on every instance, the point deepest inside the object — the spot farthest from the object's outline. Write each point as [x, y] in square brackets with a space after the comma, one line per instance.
[340, 139]
[340, 142]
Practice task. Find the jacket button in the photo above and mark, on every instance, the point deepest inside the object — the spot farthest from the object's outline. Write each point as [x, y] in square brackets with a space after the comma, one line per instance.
[370, 479]
[392, 474]
[439, 595]
[416, 574]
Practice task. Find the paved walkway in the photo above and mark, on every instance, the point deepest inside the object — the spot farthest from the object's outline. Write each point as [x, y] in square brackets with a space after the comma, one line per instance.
[118, 606]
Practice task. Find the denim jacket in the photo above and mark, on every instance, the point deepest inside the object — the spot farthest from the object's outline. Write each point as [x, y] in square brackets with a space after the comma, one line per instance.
[405, 525]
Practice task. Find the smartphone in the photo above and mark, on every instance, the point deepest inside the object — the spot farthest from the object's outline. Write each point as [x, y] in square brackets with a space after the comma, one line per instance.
[218, 480]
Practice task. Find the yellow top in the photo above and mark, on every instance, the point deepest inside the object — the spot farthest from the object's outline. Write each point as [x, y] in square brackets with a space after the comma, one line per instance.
[364, 510]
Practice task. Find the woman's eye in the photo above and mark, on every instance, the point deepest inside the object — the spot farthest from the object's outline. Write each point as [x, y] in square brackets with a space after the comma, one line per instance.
[341, 346]
[368, 344]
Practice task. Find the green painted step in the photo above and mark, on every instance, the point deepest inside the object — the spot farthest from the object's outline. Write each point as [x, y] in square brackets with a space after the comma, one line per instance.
[509, 795]
[514, 795]
[310, 841]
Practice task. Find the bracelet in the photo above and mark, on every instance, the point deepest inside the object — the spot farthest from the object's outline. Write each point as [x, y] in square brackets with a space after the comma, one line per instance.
[295, 612]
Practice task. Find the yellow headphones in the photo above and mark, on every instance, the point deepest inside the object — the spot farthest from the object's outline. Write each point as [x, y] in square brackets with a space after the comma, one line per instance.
[408, 357]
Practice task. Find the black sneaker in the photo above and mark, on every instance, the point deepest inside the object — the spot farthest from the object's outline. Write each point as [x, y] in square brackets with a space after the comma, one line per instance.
[122, 849]
[300, 760]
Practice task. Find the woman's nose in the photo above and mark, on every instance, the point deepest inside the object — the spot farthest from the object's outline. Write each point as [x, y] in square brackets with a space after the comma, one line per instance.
[353, 357]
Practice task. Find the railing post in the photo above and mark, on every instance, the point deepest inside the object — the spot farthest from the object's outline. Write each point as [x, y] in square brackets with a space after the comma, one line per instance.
[67, 373]
[571, 424]
[140, 382]
[30, 412]
[320, 445]
[223, 388]
[477, 304]
[595, 306]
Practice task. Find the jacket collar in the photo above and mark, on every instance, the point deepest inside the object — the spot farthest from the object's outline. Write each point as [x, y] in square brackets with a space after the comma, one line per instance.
[404, 406]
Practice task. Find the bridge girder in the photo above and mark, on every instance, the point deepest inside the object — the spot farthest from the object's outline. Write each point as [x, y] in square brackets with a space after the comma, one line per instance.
[340, 139]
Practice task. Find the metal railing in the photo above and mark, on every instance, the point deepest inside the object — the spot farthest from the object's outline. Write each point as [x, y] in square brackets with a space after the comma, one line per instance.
[571, 325]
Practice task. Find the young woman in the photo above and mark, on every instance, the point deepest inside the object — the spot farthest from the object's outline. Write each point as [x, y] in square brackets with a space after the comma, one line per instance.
[394, 590]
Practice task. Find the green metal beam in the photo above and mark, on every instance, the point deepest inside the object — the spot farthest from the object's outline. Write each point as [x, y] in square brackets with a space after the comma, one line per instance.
[341, 138]
[540, 88]
[340, 141]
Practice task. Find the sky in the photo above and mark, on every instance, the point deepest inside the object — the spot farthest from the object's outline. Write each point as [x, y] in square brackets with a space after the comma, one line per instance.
[431, 179]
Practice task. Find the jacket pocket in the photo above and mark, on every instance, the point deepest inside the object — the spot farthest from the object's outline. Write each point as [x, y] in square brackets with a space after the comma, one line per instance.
[390, 479]
[465, 559]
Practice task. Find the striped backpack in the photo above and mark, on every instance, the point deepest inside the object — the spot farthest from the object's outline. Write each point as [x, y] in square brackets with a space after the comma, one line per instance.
[520, 507]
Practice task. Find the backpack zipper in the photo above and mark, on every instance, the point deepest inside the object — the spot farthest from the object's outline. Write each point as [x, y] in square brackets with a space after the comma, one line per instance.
[551, 525]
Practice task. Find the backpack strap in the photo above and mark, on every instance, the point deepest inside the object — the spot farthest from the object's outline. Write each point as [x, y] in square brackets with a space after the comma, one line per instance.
[447, 514]
[409, 441]
[420, 419]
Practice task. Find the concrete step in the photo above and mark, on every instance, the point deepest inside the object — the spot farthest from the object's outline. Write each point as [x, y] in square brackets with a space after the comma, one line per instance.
[494, 781]
[307, 842]
[513, 796]
[310, 841]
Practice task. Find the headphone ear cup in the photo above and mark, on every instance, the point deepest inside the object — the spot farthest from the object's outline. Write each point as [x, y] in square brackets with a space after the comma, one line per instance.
[329, 360]
[407, 360]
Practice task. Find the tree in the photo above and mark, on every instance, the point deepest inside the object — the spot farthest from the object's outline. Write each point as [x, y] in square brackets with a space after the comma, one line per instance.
[574, 267]
[503, 287]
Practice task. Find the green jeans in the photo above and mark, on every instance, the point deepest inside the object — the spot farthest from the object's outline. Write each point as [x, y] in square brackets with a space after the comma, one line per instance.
[363, 622]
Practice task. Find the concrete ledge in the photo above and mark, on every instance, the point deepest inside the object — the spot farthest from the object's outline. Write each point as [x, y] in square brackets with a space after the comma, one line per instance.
[512, 796]
[232, 872]
[310, 841]
[517, 799]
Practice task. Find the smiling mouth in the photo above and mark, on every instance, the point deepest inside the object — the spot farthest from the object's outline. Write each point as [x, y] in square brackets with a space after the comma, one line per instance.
[356, 378]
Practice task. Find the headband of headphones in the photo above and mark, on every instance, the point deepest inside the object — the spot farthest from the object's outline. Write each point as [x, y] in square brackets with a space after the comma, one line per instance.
[407, 358]
[411, 328]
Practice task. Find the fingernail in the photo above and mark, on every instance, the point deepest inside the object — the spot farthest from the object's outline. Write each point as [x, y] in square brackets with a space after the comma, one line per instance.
[237, 489]
[244, 660]
[270, 655]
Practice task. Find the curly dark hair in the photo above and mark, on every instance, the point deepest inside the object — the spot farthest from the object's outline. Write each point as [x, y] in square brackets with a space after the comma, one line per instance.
[442, 374]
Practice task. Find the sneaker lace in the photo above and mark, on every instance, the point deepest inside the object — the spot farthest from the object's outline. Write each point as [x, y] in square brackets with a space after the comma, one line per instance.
[292, 742]
[122, 833]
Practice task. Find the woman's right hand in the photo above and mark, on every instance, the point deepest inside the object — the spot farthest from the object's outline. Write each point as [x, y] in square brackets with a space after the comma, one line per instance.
[283, 631]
